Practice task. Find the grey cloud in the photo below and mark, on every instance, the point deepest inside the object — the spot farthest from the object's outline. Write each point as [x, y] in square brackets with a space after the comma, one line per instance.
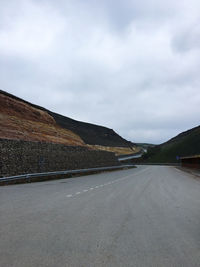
[131, 66]
[188, 39]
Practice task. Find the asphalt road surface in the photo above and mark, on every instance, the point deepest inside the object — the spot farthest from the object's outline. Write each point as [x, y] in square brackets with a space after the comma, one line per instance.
[148, 216]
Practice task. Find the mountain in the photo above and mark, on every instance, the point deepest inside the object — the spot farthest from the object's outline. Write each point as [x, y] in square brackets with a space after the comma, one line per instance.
[21, 120]
[185, 144]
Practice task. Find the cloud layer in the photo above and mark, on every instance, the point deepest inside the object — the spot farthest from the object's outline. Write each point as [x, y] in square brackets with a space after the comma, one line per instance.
[131, 66]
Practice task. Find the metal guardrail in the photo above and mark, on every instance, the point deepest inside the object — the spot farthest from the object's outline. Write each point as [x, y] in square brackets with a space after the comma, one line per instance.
[28, 176]
[157, 164]
[135, 156]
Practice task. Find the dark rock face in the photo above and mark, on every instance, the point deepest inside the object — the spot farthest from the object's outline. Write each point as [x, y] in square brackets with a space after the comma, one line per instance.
[21, 157]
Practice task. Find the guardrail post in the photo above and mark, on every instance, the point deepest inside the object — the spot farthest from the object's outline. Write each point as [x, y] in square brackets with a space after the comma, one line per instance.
[28, 178]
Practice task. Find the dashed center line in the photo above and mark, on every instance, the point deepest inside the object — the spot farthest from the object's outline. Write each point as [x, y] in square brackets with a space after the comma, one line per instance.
[92, 188]
[102, 185]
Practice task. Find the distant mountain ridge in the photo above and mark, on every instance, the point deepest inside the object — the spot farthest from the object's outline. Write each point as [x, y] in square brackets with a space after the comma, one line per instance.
[20, 119]
[90, 133]
[186, 143]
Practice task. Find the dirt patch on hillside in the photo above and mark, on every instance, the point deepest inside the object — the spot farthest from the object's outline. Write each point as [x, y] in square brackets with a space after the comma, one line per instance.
[20, 121]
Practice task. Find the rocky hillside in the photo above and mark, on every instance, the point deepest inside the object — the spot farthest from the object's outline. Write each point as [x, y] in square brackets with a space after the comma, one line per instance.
[185, 144]
[21, 120]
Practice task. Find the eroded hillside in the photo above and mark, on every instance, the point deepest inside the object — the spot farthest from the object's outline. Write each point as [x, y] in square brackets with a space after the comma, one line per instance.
[21, 120]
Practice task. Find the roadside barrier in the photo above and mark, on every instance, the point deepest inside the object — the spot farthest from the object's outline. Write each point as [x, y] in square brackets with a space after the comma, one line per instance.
[31, 177]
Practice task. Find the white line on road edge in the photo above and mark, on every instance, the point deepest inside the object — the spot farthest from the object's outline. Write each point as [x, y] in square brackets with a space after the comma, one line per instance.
[179, 170]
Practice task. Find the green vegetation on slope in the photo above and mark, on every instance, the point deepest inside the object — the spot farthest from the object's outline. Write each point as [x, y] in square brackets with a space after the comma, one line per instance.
[184, 144]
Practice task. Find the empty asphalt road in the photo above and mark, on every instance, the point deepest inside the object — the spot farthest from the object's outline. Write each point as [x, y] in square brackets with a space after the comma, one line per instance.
[148, 216]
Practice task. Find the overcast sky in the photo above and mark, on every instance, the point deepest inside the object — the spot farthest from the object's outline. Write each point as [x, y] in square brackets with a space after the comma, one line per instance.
[133, 66]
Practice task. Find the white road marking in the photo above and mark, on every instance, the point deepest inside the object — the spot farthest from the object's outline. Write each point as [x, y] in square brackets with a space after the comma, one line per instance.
[111, 182]
[179, 170]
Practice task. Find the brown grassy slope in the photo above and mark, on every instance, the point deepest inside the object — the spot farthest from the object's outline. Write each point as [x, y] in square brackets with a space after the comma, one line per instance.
[117, 150]
[19, 120]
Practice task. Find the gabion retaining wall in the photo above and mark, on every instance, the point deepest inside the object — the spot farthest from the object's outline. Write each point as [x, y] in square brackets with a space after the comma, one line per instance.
[21, 157]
